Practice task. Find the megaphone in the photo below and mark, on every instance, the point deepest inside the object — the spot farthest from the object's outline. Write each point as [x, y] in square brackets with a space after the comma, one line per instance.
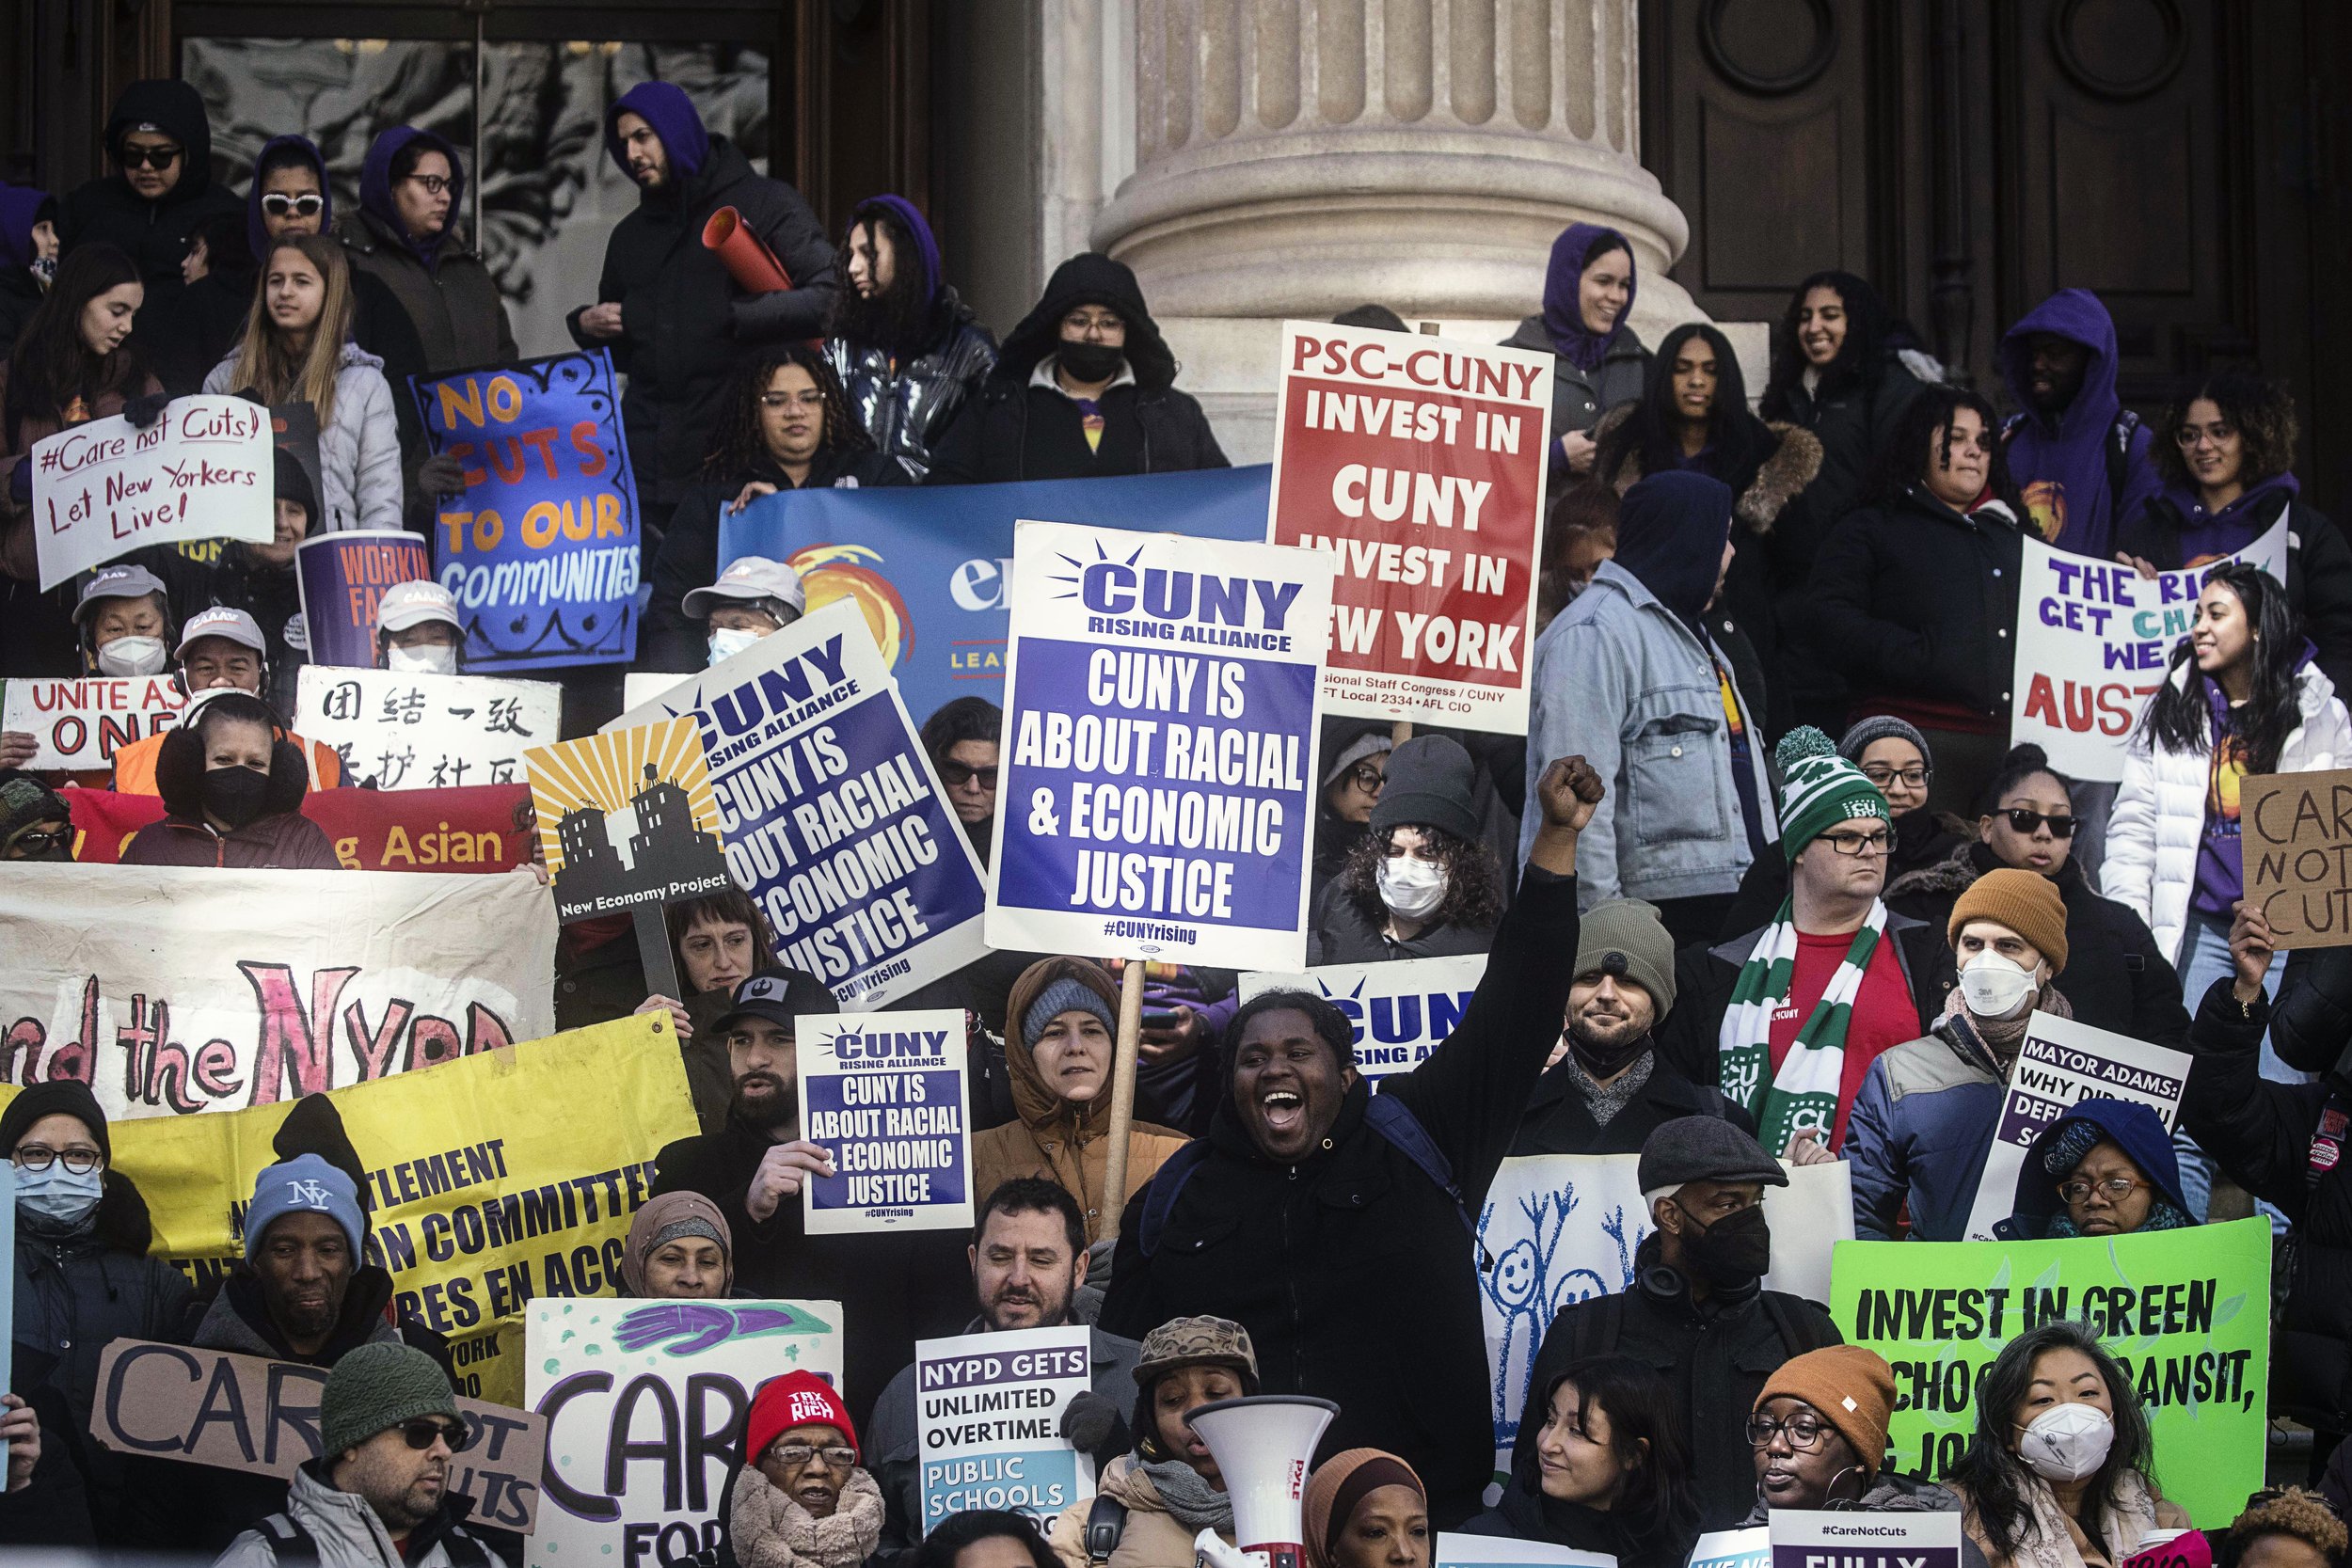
[1263, 1445]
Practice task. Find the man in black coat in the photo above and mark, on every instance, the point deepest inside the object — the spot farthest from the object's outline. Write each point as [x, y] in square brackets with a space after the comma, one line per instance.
[1338, 1230]
[895, 1288]
[1606, 1091]
[160, 193]
[1085, 388]
[667, 307]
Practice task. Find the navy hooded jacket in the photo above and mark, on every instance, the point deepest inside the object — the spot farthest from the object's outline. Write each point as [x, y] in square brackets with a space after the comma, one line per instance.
[2061, 465]
[2130, 1126]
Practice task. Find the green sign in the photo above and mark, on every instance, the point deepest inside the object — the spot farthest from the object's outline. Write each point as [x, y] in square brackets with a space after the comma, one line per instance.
[2186, 1312]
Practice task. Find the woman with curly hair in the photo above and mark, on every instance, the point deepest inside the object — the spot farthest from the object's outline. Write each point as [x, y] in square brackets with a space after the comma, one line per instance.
[2288, 1528]
[786, 425]
[2225, 455]
[1421, 883]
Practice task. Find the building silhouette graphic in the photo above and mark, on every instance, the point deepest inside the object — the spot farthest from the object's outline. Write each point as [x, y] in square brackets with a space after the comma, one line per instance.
[666, 849]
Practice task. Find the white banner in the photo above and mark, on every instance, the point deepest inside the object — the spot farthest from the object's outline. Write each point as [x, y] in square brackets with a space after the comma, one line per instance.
[81, 725]
[884, 1094]
[1492, 1551]
[171, 991]
[1401, 1011]
[641, 1399]
[987, 1409]
[2060, 1062]
[425, 732]
[2092, 639]
[204, 471]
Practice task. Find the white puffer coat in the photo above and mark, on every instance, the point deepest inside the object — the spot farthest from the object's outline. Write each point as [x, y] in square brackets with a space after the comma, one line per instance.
[2159, 821]
[358, 450]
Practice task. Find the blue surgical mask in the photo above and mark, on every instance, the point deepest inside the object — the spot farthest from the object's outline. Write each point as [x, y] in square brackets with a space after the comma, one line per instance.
[727, 642]
[58, 1198]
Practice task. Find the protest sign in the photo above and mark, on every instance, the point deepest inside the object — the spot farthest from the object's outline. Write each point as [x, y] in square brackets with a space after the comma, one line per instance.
[645, 1402]
[884, 1094]
[1751, 1548]
[1162, 703]
[2058, 1063]
[1400, 1011]
[2188, 1550]
[397, 731]
[541, 549]
[2186, 1313]
[171, 991]
[481, 828]
[1494, 1551]
[638, 688]
[1802, 1538]
[938, 558]
[100, 489]
[2297, 841]
[341, 577]
[1420, 467]
[491, 1182]
[627, 820]
[2092, 641]
[988, 1412]
[261, 1417]
[80, 724]
[833, 814]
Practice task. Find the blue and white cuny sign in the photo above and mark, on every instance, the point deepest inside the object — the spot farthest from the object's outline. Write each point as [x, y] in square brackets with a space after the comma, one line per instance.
[1156, 795]
[1401, 1011]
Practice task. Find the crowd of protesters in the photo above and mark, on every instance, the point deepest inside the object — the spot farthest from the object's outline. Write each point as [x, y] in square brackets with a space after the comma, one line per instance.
[1765, 885]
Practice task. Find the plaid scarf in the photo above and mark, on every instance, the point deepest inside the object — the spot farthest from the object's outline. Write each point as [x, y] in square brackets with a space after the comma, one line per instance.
[1803, 1093]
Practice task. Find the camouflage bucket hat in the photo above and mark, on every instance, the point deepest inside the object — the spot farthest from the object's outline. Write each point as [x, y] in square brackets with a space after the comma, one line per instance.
[1195, 1342]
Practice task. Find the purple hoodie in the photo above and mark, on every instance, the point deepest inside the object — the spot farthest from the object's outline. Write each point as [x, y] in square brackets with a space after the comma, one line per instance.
[926, 245]
[2210, 535]
[19, 206]
[376, 189]
[665, 107]
[1563, 313]
[255, 234]
[2062, 469]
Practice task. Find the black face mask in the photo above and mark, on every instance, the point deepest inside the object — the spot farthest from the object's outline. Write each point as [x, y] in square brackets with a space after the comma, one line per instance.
[1605, 1063]
[1736, 1250]
[1089, 362]
[236, 794]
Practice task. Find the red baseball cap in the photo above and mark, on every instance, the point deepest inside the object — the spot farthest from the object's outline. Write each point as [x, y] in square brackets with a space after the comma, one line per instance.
[795, 1399]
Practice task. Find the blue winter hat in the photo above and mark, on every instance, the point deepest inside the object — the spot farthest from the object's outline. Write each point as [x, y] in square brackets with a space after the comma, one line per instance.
[1065, 995]
[304, 1184]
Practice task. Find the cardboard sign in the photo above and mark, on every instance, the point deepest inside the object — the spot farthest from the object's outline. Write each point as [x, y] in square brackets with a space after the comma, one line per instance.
[885, 1094]
[833, 814]
[2186, 1312]
[644, 1404]
[2296, 835]
[1401, 1011]
[400, 732]
[342, 579]
[80, 724]
[479, 829]
[2058, 1063]
[174, 989]
[1751, 1548]
[541, 549]
[626, 819]
[247, 1413]
[988, 1415]
[1802, 1538]
[1157, 794]
[2092, 641]
[1420, 466]
[203, 470]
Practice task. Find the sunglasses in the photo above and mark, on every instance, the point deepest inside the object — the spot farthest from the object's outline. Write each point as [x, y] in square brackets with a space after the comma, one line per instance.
[420, 1434]
[150, 157]
[310, 204]
[2025, 820]
[39, 842]
[957, 774]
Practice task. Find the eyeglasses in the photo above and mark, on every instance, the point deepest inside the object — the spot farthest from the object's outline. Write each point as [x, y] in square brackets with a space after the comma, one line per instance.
[1368, 777]
[1882, 775]
[955, 775]
[793, 1455]
[41, 842]
[433, 184]
[2025, 820]
[81, 1162]
[812, 398]
[421, 1433]
[310, 204]
[150, 157]
[2218, 432]
[2116, 1188]
[1855, 844]
[1803, 1430]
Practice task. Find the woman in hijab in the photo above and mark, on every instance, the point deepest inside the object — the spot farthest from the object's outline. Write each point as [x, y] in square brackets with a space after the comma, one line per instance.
[678, 1249]
[1598, 363]
[1366, 1509]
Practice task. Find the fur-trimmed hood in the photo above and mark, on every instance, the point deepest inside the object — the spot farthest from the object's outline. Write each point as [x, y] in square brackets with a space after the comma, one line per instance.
[1790, 467]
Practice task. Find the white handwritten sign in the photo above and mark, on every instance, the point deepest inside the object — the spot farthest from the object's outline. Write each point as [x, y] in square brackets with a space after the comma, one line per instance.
[204, 471]
[81, 724]
[425, 732]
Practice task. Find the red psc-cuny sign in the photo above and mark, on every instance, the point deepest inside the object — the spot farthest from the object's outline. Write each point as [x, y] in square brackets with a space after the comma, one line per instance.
[1419, 463]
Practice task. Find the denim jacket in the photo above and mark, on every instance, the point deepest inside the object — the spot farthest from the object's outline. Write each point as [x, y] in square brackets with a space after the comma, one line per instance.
[1622, 680]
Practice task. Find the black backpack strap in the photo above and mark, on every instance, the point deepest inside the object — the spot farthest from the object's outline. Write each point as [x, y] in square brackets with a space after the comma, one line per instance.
[1394, 1120]
[2119, 458]
[1800, 1330]
[289, 1542]
[1106, 1521]
[1598, 1324]
[1168, 1183]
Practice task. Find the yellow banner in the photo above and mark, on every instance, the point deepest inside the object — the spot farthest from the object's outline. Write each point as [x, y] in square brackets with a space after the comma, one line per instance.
[491, 1181]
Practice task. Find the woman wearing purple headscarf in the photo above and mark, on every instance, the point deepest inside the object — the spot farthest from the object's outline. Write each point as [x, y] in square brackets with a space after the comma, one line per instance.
[907, 350]
[1588, 292]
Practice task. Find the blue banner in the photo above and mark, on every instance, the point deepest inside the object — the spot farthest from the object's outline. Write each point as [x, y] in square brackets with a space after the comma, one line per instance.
[928, 566]
[541, 549]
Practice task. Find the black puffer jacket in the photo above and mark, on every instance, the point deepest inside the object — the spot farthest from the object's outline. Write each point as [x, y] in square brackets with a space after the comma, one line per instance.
[907, 404]
[156, 234]
[1853, 417]
[684, 323]
[1352, 1269]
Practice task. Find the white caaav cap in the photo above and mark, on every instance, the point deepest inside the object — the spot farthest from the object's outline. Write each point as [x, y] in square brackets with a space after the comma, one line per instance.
[220, 621]
[412, 604]
[749, 577]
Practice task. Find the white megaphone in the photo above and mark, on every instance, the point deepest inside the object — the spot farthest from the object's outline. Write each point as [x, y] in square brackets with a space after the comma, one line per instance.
[1263, 1446]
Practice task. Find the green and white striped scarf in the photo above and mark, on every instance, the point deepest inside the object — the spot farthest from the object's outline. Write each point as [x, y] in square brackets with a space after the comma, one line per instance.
[1803, 1093]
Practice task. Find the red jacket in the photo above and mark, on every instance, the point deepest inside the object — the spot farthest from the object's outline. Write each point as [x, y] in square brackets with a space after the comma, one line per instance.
[287, 841]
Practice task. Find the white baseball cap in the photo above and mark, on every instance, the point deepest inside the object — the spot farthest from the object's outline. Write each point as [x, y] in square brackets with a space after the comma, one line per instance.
[220, 621]
[749, 577]
[119, 582]
[412, 604]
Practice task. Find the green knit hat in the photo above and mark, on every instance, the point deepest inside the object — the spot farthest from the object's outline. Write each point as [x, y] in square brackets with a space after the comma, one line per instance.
[376, 1388]
[1819, 789]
